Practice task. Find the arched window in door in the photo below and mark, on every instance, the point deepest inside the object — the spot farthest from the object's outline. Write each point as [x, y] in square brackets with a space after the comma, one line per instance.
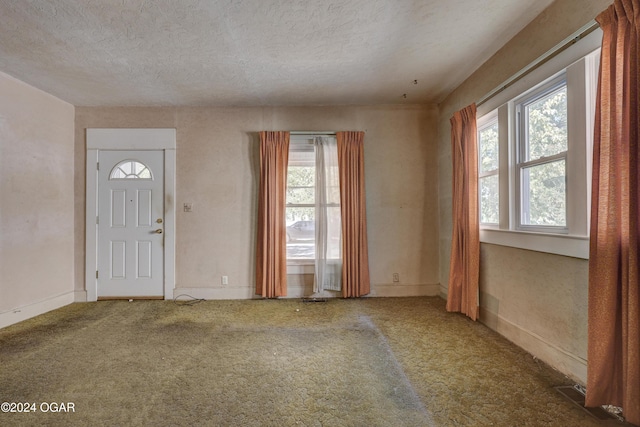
[130, 169]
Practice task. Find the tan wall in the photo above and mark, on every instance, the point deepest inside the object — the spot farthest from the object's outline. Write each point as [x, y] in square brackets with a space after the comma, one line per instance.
[36, 195]
[539, 301]
[217, 161]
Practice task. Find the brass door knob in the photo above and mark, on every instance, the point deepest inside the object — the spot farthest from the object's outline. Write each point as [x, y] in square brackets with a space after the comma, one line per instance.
[158, 231]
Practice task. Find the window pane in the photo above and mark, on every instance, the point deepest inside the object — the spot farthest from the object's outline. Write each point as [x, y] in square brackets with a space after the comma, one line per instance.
[334, 233]
[544, 195]
[130, 169]
[300, 195]
[489, 200]
[301, 184]
[488, 143]
[547, 125]
[301, 233]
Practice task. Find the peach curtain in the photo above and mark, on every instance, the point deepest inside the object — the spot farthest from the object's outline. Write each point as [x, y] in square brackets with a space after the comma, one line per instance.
[613, 368]
[464, 266]
[355, 253]
[271, 253]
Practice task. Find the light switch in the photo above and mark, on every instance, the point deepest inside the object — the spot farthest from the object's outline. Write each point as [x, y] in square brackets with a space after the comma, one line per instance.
[188, 207]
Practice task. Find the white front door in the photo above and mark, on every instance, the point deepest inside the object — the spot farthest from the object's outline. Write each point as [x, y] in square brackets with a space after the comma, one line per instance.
[130, 224]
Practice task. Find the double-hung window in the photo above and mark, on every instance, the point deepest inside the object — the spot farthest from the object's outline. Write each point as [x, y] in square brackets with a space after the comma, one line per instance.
[301, 199]
[313, 217]
[541, 166]
[313, 199]
[534, 156]
[488, 170]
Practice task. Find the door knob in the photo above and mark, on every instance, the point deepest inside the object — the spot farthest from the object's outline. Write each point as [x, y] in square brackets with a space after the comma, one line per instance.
[159, 220]
[158, 231]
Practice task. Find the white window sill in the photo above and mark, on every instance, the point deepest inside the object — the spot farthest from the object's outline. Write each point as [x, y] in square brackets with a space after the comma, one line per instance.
[567, 245]
[301, 267]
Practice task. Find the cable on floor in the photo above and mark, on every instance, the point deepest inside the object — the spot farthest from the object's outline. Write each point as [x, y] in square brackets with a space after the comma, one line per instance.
[191, 301]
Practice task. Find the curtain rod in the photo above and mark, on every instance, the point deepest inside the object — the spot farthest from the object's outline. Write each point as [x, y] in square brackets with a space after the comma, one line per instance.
[569, 41]
[300, 132]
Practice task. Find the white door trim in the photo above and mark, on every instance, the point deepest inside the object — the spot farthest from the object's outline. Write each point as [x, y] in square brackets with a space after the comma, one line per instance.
[130, 139]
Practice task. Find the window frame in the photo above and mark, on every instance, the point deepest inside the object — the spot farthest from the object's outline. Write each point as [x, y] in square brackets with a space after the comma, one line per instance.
[486, 121]
[580, 63]
[521, 163]
[118, 169]
[302, 143]
[305, 142]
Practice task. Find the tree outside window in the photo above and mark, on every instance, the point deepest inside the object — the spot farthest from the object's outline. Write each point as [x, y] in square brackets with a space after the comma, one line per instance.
[543, 157]
[488, 156]
[300, 204]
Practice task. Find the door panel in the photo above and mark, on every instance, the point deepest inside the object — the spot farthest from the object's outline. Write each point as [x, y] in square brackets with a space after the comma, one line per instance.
[143, 257]
[130, 224]
[118, 215]
[144, 208]
[118, 259]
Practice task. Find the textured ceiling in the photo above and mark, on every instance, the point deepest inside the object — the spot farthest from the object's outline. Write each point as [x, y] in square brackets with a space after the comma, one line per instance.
[253, 52]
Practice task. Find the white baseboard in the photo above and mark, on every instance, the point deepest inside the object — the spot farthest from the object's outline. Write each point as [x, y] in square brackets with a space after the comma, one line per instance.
[216, 293]
[244, 293]
[443, 291]
[300, 291]
[402, 290]
[571, 365]
[80, 296]
[28, 311]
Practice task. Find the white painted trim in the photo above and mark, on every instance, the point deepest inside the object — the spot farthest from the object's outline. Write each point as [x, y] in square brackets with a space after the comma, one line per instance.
[130, 139]
[444, 291]
[577, 63]
[573, 246]
[564, 361]
[577, 163]
[402, 290]
[301, 268]
[218, 293]
[91, 229]
[79, 296]
[242, 293]
[37, 308]
[300, 291]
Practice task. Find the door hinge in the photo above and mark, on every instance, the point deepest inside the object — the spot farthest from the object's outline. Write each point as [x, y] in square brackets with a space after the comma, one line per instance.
[98, 166]
[96, 274]
[97, 220]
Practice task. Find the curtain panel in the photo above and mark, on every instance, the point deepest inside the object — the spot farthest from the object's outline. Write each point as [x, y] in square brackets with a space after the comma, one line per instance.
[328, 231]
[355, 253]
[464, 267]
[613, 367]
[271, 251]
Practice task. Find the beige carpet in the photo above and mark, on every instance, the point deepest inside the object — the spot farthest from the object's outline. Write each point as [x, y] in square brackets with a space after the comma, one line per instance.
[370, 362]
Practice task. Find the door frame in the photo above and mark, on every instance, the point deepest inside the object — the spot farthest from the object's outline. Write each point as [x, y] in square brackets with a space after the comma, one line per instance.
[100, 139]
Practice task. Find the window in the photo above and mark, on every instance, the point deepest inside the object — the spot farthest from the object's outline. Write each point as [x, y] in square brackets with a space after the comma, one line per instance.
[301, 195]
[534, 159]
[313, 222]
[488, 172]
[542, 159]
[130, 169]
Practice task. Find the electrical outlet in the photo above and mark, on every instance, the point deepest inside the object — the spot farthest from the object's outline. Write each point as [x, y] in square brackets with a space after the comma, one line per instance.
[188, 207]
[396, 277]
[225, 280]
